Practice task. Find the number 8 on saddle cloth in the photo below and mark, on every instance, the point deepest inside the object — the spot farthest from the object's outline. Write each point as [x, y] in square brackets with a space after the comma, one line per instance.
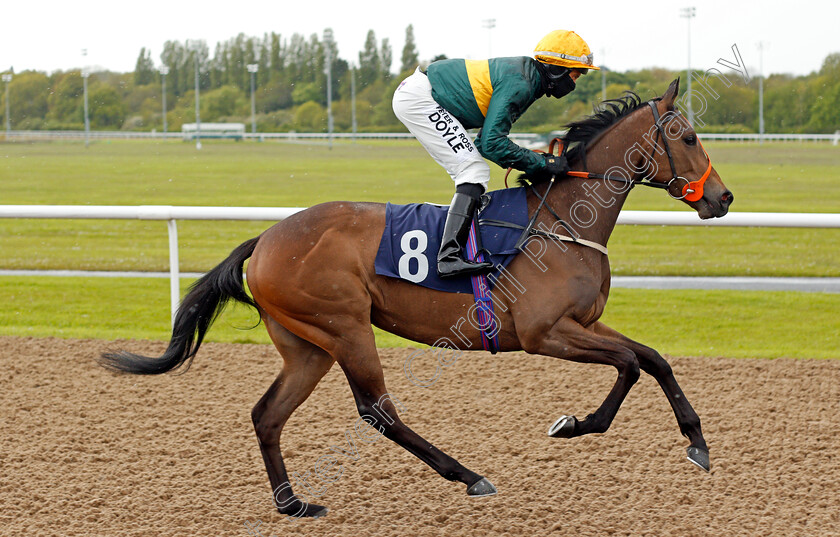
[411, 239]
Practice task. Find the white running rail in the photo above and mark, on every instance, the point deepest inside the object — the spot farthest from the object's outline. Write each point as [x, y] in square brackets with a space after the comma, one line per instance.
[173, 213]
[521, 136]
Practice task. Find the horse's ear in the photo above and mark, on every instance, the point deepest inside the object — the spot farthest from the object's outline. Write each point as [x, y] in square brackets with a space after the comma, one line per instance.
[671, 94]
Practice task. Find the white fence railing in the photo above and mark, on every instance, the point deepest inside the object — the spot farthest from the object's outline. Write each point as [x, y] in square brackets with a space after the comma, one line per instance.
[174, 213]
[529, 140]
[524, 137]
[178, 135]
[753, 137]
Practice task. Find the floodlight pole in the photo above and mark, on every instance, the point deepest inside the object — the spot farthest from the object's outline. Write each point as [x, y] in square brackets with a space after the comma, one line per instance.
[689, 13]
[603, 77]
[164, 70]
[760, 92]
[489, 24]
[7, 78]
[85, 75]
[328, 37]
[353, 99]
[197, 112]
[252, 68]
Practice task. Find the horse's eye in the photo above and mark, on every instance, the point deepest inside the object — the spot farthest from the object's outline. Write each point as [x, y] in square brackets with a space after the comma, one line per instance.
[690, 140]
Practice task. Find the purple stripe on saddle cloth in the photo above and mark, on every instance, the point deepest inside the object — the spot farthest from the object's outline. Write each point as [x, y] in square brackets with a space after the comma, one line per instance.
[487, 323]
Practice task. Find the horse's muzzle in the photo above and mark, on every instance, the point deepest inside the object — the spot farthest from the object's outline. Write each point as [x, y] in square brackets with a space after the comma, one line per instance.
[714, 207]
[725, 201]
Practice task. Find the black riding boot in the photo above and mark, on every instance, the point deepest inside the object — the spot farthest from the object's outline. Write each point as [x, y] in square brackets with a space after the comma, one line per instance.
[456, 232]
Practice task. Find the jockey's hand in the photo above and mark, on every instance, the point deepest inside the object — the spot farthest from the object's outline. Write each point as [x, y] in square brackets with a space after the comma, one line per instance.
[555, 164]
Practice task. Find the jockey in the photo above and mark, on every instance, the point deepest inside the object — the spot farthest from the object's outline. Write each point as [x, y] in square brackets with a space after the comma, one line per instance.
[438, 107]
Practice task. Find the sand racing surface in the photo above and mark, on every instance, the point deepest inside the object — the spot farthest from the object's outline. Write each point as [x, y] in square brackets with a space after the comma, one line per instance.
[86, 452]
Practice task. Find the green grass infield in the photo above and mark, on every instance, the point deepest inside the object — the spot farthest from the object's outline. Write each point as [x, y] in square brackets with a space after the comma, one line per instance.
[745, 324]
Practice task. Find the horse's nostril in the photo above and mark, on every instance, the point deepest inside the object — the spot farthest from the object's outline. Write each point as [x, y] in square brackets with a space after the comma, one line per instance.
[727, 197]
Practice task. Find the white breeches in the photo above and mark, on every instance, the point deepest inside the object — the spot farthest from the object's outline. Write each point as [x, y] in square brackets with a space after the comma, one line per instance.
[439, 132]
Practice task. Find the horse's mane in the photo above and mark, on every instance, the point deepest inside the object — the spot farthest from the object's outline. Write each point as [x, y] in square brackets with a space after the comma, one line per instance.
[581, 132]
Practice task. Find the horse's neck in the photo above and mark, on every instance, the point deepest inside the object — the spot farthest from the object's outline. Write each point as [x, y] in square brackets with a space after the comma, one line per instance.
[594, 204]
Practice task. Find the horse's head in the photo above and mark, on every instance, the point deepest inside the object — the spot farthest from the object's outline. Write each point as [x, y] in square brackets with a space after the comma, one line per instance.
[681, 161]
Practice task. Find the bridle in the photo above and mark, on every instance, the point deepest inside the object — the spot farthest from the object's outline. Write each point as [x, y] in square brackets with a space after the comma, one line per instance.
[691, 190]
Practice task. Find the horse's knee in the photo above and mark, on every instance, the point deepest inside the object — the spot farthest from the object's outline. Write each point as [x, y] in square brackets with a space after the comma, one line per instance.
[381, 414]
[366, 409]
[268, 431]
[628, 367]
[633, 371]
[656, 366]
[376, 417]
[663, 368]
[382, 409]
[257, 413]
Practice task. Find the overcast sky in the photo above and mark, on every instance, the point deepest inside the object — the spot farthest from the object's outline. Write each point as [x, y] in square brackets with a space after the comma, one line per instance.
[626, 34]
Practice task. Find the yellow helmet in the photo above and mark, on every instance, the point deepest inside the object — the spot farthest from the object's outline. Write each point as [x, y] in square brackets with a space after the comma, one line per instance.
[566, 49]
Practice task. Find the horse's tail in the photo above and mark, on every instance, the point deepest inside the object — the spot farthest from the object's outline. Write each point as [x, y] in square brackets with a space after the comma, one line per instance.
[204, 302]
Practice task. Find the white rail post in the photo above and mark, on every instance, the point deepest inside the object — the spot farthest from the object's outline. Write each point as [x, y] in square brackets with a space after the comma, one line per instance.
[174, 276]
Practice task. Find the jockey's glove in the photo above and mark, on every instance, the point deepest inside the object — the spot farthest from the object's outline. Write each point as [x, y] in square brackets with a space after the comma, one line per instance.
[555, 164]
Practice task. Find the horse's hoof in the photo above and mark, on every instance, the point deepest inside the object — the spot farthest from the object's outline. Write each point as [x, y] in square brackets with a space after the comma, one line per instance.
[321, 512]
[482, 487]
[564, 427]
[699, 457]
[301, 510]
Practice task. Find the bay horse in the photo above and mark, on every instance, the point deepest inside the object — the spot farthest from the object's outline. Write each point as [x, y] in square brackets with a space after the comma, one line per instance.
[313, 282]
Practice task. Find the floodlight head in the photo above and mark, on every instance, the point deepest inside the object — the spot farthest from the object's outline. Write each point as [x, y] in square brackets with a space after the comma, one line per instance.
[253, 67]
[7, 77]
[164, 70]
[688, 12]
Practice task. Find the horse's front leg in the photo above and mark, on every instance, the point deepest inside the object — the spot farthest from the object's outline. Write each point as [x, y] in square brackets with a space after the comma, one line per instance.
[568, 340]
[655, 365]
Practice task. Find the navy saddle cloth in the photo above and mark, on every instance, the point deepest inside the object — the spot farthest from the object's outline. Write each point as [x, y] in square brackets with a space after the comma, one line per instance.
[411, 240]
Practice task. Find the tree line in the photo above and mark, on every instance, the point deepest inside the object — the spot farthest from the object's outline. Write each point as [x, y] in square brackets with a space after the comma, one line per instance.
[290, 91]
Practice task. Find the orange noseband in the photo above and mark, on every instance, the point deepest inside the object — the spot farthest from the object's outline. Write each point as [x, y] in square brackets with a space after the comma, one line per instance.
[693, 191]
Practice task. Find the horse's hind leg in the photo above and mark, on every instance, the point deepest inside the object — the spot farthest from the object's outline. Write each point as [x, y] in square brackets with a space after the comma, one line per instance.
[652, 363]
[304, 366]
[377, 407]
